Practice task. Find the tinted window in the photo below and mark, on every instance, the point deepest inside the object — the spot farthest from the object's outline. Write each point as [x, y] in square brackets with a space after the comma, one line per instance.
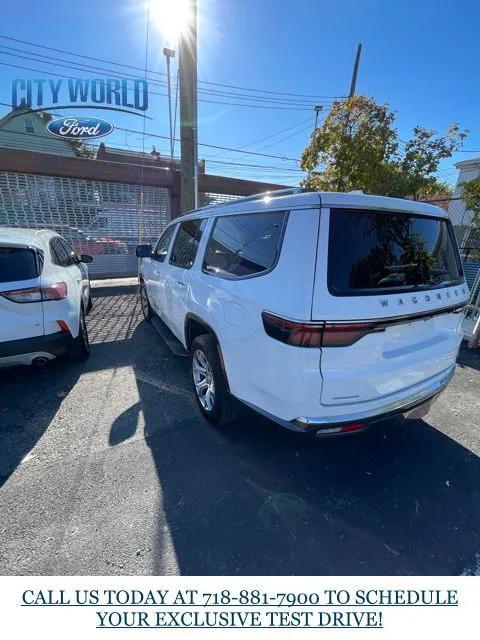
[62, 252]
[161, 249]
[17, 264]
[244, 245]
[186, 243]
[371, 251]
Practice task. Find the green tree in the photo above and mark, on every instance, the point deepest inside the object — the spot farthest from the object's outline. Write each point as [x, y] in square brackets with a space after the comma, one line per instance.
[471, 198]
[358, 147]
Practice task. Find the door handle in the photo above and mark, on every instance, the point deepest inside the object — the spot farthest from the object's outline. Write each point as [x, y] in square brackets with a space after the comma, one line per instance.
[181, 284]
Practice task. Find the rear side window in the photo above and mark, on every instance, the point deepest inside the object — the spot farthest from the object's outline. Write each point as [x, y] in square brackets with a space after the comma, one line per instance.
[186, 243]
[244, 245]
[375, 251]
[62, 253]
[18, 263]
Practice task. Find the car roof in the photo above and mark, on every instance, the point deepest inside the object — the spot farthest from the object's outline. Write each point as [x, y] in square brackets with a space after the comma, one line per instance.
[293, 199]
[23, 236]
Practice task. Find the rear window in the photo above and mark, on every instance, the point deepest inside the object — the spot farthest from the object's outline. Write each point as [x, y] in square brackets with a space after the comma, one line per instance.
[17, 263]
[374, 251]
[244, 245]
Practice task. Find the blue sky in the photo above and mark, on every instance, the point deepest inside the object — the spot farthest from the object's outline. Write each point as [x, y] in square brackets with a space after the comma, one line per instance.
[421, 57]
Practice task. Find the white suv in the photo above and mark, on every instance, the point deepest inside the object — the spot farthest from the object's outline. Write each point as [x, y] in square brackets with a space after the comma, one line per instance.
[323, 311]
[44, 297]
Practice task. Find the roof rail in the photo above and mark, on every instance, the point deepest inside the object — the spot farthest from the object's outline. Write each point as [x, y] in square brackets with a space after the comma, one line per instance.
[258, 196]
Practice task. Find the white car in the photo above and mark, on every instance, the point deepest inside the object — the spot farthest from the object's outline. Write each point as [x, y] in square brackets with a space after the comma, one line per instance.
[44, 298]
[323, 311]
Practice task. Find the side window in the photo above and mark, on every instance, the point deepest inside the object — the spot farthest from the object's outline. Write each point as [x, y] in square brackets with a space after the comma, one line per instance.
[244, 245]
[186, 243]
[29, 128]
[62, 253]
[161, 250]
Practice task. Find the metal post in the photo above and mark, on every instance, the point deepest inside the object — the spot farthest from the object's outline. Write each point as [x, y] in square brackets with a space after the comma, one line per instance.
[353, 84]
[318, 108]
[169, 53]
[187, 62]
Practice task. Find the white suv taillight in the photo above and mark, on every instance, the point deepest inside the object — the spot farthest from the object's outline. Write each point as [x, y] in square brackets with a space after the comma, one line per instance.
[56, 291]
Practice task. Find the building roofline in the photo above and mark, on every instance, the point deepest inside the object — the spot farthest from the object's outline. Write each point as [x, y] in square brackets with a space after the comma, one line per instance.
[463, 164]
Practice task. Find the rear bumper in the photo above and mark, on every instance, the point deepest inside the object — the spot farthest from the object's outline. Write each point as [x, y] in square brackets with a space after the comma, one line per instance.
[55, 344]
[331, 425]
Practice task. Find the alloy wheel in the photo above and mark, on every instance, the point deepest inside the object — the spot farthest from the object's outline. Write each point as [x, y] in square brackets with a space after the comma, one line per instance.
[203, 380]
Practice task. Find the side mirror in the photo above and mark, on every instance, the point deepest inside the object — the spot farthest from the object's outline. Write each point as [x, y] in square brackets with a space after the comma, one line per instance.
[144, 251]
[84, 257]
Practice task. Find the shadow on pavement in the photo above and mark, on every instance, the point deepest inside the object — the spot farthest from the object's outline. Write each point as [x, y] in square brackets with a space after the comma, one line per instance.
[255, 499]
[27, 407]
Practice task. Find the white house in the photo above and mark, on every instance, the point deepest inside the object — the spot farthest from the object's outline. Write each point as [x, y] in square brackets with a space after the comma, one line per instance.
[25, 131]
[468, 170]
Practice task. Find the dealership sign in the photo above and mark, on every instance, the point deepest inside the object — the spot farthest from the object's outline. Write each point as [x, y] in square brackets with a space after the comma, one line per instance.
[79, 128]
[113, 94]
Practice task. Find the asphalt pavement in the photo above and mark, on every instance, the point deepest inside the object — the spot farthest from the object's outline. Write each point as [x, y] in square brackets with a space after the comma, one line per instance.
[107, 467]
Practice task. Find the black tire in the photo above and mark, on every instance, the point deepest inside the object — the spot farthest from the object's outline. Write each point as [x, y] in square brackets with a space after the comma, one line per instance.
[80, 349]
[221, 411]
[145, 302]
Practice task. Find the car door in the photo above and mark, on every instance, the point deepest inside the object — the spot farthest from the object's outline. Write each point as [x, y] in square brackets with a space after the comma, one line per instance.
[182, 258]
[155, 281]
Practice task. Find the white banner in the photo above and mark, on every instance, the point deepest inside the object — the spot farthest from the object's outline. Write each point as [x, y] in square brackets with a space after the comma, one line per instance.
[233, 607]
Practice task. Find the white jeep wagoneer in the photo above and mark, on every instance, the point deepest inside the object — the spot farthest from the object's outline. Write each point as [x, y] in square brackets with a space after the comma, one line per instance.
[323, 311]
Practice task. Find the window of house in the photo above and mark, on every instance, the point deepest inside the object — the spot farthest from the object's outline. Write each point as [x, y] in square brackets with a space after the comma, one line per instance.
[29, 128]
[186, 243]
[244, 245]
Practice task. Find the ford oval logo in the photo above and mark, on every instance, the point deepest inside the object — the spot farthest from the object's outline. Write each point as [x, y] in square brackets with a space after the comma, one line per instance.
[71, 127]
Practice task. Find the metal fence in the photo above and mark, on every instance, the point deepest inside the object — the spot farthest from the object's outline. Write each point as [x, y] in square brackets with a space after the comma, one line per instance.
[102, 208]
[105, 219]
[467, 234]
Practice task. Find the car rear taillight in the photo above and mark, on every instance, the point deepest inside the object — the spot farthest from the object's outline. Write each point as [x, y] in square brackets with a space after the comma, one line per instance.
[338, 334]
[56, 291]
[299, 334]
[32, 294]
[317, 334]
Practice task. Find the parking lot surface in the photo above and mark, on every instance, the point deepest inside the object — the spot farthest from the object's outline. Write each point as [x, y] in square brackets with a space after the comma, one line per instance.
[107, 467]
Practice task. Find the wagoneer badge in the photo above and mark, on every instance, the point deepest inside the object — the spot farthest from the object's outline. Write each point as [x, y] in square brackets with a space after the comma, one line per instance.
[427, 297]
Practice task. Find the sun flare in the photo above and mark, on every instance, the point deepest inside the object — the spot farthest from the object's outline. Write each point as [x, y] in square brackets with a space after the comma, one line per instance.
[172, 18]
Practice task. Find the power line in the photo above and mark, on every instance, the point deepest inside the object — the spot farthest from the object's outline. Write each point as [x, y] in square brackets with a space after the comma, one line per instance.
[214, 146]
[202, 144]
[127, 66]
[228, 104]
[79, 66]
[282, 139]
[272, 135]
[34, 143]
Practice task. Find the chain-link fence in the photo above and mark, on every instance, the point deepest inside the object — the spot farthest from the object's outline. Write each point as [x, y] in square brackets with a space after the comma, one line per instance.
[467, 234]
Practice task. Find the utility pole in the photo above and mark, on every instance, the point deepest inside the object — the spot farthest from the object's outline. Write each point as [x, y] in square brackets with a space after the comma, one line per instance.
[187, 63]
[353, 84]
[318, 108]
[169, 53]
